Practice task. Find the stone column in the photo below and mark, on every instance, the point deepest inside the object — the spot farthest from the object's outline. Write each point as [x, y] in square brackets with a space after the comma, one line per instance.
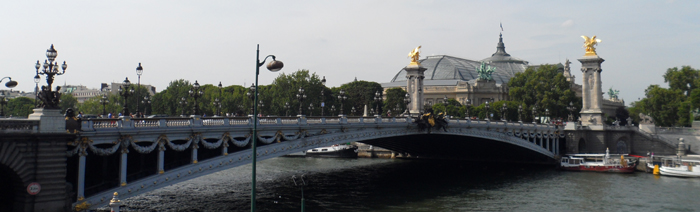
[122, 164]
[161, 157]
[415, 87]
[81, 173]
[591, 113]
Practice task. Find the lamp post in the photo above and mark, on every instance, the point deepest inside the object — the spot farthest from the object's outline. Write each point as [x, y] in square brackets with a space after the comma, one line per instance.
[352, 110]
[221, 98]
[261, 105]
[12, 84]
[183, 103]
[251, 94]
[311, 109]
[332, 110]
[301, 184]
[125, 91]
[520, 113]
[342, 97]
[50, 67]
[534, 114]
[504, 110]
[571, 109]
[104, 102]
[273, 66]
[146, 102]
[139, 71]
[323, 97]
[286, 108]
[397, 109]
[444, 101]
[36, 89]
[217, 105]
[487, 110]
[407, 100]
[301, 96]
[323, 104]
[195, 93]
[468, 104]
[546, 114]
[378, 100]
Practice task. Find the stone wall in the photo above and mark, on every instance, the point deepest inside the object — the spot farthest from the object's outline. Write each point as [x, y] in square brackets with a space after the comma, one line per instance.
[617, 140]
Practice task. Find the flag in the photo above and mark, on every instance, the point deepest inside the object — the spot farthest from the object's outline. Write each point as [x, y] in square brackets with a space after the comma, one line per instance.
[501, 27]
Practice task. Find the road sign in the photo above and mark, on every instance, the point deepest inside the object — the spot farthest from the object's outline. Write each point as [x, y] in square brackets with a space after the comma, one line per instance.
[33, 188]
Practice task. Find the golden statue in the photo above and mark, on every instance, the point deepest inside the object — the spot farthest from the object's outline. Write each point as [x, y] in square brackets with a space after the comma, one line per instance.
[415, 55]
[588, 43]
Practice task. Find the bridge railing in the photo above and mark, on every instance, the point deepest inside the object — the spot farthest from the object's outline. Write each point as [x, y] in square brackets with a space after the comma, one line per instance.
[10, 125]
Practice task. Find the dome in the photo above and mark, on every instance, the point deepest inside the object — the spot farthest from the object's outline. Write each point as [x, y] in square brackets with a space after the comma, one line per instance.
[445, 70]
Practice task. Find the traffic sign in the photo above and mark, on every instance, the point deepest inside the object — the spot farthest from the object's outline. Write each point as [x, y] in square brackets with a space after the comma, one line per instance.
[33, 188]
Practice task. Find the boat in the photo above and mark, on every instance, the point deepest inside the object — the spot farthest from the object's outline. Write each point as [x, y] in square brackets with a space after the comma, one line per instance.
[598, 163]
[335, 151]
[676, 167]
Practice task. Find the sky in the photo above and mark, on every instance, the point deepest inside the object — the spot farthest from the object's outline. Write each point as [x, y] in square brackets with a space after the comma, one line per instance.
[215, 41]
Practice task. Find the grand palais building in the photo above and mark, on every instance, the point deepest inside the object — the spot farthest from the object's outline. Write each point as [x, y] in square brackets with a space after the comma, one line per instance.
[456, 78]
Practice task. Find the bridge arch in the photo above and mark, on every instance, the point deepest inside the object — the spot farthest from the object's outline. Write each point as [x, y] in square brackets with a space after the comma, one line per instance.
[14, 177]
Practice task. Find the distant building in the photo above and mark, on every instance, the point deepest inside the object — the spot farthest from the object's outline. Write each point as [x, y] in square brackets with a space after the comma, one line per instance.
[83, 93]
[457, 78]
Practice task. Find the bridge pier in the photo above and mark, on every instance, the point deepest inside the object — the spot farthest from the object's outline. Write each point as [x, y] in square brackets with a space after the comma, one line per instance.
[81, 174]
[161, 157]
[122, 166]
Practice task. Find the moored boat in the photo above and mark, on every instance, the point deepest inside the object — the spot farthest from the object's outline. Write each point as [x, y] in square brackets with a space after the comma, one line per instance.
[598, 163]
[335, 151]
[678, 167]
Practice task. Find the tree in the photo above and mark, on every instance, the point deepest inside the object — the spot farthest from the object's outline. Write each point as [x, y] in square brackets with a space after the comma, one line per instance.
[393, 98]
[545, 87]
[168, 101]
[19, 107]
[67, 101]
[285, 89]
[686, 79]
[360, 93]
[661, 104]
[94, 105]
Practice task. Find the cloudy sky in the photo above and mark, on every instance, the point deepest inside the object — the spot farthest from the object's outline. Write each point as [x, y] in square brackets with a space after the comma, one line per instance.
[212, 41]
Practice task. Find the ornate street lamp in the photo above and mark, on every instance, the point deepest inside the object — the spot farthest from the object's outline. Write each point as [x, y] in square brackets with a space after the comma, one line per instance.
[311, 109]
[195, 93]
[520, 113]
[125, 91]
[445, 104]
[217, 105]
[342, 97]
[352, 111]
[221, 96]
[301, 96]
[332, 110]
[146, 102]
[261, 105]
[397, 109]
[49, 101]
[466, 112]
[286, 108]
[183, 103]
[139, 71]
[104, 102]
[546, 114]
[504, 110]
[534, 114]
[12, 84]
[487, 111]
[323, 104]
[571, 109]
[273, 66]
[371, 111]
[36, 89]
[252, 94]
[407, 100]
[378, 100]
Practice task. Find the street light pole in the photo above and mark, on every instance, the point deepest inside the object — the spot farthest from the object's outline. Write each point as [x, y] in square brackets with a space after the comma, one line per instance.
[104, 102]
[195, 93]
[342, 97]
[378, 99]
[301, 96]
[273, 66]
[139, 71]
[125, 91]
[36, 89]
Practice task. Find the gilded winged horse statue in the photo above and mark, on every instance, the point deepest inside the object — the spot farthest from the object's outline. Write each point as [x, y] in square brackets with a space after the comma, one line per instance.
[589, 44]
[415, 56]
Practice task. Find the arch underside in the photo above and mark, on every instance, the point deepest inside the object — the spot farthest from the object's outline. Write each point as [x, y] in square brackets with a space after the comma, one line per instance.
[455, 144]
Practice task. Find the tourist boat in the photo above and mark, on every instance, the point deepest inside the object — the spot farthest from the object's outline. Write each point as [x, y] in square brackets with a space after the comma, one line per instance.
[677, 167]
[598, 163]
[335, 151]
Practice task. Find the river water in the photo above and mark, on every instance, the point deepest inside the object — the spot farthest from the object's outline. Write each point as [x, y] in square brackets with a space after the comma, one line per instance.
[421, 185]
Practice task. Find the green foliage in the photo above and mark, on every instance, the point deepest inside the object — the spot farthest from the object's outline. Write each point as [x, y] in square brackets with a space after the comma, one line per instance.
[285, 89]
[360, 93]
[19, 107]
[167, 101]
[686, 79]
[393, 100]
[545, 87]
[663, 105]
[67, 101]
[94, 106]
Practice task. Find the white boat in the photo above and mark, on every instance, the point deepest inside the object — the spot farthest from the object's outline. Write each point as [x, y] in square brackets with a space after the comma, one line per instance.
[335, 151]
[678, 167]
[598, 163]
